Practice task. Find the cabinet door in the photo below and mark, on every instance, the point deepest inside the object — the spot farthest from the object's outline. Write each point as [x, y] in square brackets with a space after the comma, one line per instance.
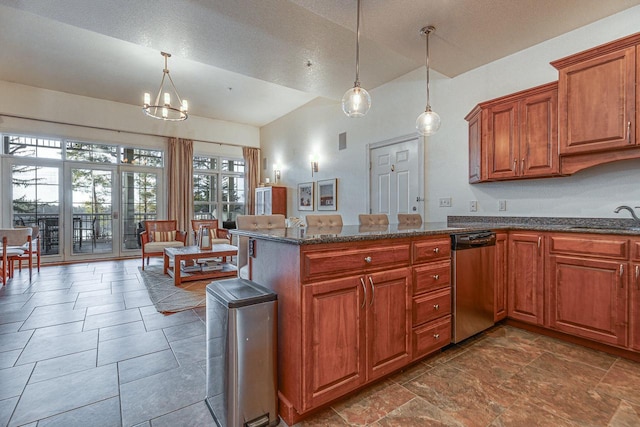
[259, 209]
[500, 290]
[475, 145]
[597, 103]
[526, 301]
[502, 140]
[333, 336]
[539, 134]
[588, 298]
[634, 309]
[388, 321]
[268, 201]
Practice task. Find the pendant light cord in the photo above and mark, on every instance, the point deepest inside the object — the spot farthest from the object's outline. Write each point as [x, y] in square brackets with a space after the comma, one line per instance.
[357, 82]
[427, 32]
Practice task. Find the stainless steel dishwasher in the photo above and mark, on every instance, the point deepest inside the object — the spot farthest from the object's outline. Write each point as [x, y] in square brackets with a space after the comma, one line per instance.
[472, 282]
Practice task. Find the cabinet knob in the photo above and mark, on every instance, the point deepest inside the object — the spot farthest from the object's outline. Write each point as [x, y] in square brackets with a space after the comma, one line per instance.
[367, 260]
[436, 306]
[436, 250]
[436, 276]
[436, 336]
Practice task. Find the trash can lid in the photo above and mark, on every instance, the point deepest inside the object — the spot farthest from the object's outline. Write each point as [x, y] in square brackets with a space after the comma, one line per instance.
[236, 292]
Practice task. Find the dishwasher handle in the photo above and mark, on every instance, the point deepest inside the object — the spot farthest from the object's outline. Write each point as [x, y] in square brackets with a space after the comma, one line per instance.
[472, 240]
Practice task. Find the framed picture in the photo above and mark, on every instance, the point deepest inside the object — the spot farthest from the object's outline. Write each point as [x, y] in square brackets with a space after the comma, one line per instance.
[305, 196]
[328, 195]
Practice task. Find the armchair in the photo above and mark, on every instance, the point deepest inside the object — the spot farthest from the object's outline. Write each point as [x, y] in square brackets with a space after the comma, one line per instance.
[221, 234]
[12, 240]
[159, 235]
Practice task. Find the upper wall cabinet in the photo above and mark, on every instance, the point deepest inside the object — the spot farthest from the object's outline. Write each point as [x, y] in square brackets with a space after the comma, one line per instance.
[515, 136]
[597, 105]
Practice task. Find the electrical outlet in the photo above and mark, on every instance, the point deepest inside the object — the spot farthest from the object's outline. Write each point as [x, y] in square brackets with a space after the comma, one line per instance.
[445, 202]
[473, 206]
[502, 205]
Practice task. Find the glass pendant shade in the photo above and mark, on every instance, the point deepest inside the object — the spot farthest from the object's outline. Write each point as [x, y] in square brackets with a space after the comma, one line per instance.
[356, 102]
[428, 123]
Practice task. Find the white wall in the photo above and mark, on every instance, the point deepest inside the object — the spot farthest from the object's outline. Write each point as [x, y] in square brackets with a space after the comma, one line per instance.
[314, 127]
[91, 113]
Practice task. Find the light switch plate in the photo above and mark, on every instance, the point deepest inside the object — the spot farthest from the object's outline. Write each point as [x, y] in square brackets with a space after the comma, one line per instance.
[445, 202]
[473, 206]
[502, 205]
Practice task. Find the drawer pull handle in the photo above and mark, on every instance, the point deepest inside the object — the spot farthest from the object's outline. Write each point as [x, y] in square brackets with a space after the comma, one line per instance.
[367, 260]
[436, 306]
[436, 276]
[436, 336]
[436, 250]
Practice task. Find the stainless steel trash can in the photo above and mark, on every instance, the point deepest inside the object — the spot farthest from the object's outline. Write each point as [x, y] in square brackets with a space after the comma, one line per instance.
[241, 354]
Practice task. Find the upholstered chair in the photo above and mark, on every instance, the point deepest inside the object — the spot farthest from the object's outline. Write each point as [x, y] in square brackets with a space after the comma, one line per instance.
[158, 236]
[324, 220]
[220, 235]
[11, 250]
[409, 219]
[253, 222]
[373, 219]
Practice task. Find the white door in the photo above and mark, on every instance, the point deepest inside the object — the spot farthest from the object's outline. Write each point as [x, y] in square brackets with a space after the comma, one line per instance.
[396, 178]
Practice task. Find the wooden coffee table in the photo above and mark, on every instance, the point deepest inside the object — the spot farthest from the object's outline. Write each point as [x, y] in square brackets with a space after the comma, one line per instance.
[190, 254]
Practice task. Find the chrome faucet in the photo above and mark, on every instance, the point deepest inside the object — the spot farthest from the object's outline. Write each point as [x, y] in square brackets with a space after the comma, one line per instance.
[633, 214]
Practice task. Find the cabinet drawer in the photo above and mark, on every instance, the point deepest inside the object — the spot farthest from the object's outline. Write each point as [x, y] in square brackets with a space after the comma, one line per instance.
[431, 250]
[431, 277]
[430, 306]
[605, 247]
[430, 337]
[635, 250]
[344, 260]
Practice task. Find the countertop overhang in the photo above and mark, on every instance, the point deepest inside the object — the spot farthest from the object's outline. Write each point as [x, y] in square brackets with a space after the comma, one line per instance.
[354, 233]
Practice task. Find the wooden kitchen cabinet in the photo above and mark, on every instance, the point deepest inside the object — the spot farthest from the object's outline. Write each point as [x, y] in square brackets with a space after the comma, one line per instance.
[355, 329]
[587, 288]
[526, 277]
[515, 136]
[271, 200]
[634, 297]
[500, 269]
[597, 105]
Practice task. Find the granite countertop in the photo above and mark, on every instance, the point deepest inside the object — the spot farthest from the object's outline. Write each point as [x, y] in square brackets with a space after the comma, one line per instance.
[454, 224]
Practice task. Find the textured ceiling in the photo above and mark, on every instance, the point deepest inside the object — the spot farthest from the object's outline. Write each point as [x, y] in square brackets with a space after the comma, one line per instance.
[246, 60]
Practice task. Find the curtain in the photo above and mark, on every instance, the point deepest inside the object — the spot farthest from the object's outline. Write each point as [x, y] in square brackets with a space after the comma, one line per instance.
[251, 176]
[180, 166]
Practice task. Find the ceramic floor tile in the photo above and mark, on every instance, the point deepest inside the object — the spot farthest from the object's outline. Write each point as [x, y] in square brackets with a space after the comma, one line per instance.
[196, 415]
[49, 347]
[145, 366]
[627, 415]
[59, 330]
[325, 418]
[9, 328]
[95, 301]
[14, 380]
[64, 365]
[418, 413]
[52, 319]
[14, 341]
[524, 413]
[9, 358]
[186, 330]
[108, 308]
[131, 346]
[55, 396]
[157, 320]
[559, 366]
[139, 298]
[111, 319]
[622, 381]
[105, 413]
[6, 409]
[190, 350]
[161, 394]
[120, 331]
[574, 352]
[372, 407]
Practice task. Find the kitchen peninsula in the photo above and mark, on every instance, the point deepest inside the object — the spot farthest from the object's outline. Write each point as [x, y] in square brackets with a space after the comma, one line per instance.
[357, 303]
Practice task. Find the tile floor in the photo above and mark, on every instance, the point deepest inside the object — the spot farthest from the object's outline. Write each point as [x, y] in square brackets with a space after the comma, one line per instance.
[82, 345]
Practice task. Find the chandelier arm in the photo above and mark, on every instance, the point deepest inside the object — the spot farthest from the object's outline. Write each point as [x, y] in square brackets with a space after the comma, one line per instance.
[160, 89]
[174, 89]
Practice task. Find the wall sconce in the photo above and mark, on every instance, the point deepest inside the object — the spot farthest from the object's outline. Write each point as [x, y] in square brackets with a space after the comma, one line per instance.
[314, 164]
[276, 173]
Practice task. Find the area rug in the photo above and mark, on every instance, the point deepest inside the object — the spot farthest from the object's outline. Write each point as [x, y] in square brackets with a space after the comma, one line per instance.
[168, 298]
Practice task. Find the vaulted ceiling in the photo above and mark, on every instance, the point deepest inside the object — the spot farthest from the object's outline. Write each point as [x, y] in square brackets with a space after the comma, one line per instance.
[252, 61]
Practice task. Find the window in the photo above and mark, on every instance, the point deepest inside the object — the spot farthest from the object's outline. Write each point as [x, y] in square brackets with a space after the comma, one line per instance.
[218, 186]
[22, 146]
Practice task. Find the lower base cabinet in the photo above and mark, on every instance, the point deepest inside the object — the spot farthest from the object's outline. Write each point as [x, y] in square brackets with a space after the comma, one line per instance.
[526, 278]
[355, 329]
[588, 298]
[634, 308]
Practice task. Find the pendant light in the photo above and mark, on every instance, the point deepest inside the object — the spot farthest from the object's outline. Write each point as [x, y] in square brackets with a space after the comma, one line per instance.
[161, 108]
[356, 101]
[428, 122]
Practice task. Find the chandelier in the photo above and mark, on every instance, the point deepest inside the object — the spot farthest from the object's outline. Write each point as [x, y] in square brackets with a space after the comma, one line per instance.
[161, 108]
[356, 101]
[428, 122]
